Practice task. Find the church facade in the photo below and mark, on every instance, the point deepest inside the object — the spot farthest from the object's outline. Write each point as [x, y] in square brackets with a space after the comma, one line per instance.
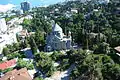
[56, 40]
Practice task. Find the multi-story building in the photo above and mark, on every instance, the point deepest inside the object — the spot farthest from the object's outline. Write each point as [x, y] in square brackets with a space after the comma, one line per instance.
[25, 6]
[3, 26]
[8, 33]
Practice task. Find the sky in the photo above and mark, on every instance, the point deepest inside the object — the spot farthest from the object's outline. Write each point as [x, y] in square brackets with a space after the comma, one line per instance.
[8, 4]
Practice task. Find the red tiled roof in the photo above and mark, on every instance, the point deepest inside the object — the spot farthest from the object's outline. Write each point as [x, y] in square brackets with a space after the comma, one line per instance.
[7, 64]
[21, 74]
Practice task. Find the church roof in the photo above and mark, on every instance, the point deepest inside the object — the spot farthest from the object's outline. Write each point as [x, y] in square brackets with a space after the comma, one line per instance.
[56, 27]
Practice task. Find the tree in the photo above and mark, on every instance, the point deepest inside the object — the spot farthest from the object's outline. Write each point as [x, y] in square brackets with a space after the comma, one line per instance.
[93, 67]
[111, 72]
[26, 24]
[15, 55]
[5, 51]
[38, 78]
[56, 55]
[6, 70]
[95, 30]
[10, 47]
[44, 63]
[21, 64]
[16, 46]
[102, 48]
[39, 38]
[25, 44]
[33, 45]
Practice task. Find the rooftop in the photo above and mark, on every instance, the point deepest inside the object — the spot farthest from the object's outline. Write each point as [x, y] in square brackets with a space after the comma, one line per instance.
[56, 27]
[7, 64]
[117, 48]
[21, 74]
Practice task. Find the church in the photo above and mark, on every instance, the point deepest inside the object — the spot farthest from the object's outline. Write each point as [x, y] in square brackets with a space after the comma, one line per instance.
[56, 40]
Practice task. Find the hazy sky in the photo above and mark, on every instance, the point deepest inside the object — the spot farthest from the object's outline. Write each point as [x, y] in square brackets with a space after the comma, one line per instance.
[8, 4]
[33, 2]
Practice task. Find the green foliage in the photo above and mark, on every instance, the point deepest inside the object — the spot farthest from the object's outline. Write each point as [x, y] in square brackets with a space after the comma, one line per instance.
[33, 45]
[18, 38]
[111, 72]
[24, 44]
[39, 38]
[56, 55]
[100, 67]
[95, 30]
[26, 24]
[76, 56]
[5, 51]
[102, 48]
[28, 64]
[44, 63]
[6, 70]
[64, 65]
[9, 18]
[15, 55]
[86, 21]
[15, 47]
[37, 23]
[38, 78]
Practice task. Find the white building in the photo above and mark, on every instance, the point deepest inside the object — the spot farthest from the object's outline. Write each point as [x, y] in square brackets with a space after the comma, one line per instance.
[28, 17]
[3, 26]
[74, 10]
[104, 1]
[101, 1]
[8, 36]
[11, 22]
[7, 39]
[57, 40]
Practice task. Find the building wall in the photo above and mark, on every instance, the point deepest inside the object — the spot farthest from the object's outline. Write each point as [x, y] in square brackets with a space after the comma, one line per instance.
[25, 6]
[3, 26]
[7, 39]
[57, 40]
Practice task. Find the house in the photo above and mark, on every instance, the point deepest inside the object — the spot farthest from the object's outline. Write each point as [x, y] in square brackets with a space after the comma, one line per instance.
[8, 64]
[21, 74]
[56, 40]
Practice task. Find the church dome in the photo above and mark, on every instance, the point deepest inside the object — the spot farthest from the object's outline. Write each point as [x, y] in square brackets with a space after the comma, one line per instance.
[57, 28]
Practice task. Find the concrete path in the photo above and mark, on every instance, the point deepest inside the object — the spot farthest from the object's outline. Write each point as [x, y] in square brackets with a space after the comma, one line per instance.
[62, 75]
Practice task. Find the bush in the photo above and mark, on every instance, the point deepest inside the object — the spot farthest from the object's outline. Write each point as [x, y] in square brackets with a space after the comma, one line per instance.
[44, 63]
[5, 51]
[6, 70]
[15, 55]
[38, 78]
[21, 64]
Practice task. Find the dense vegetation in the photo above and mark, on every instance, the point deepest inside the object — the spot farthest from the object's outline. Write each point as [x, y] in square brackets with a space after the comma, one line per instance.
[95, 28]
